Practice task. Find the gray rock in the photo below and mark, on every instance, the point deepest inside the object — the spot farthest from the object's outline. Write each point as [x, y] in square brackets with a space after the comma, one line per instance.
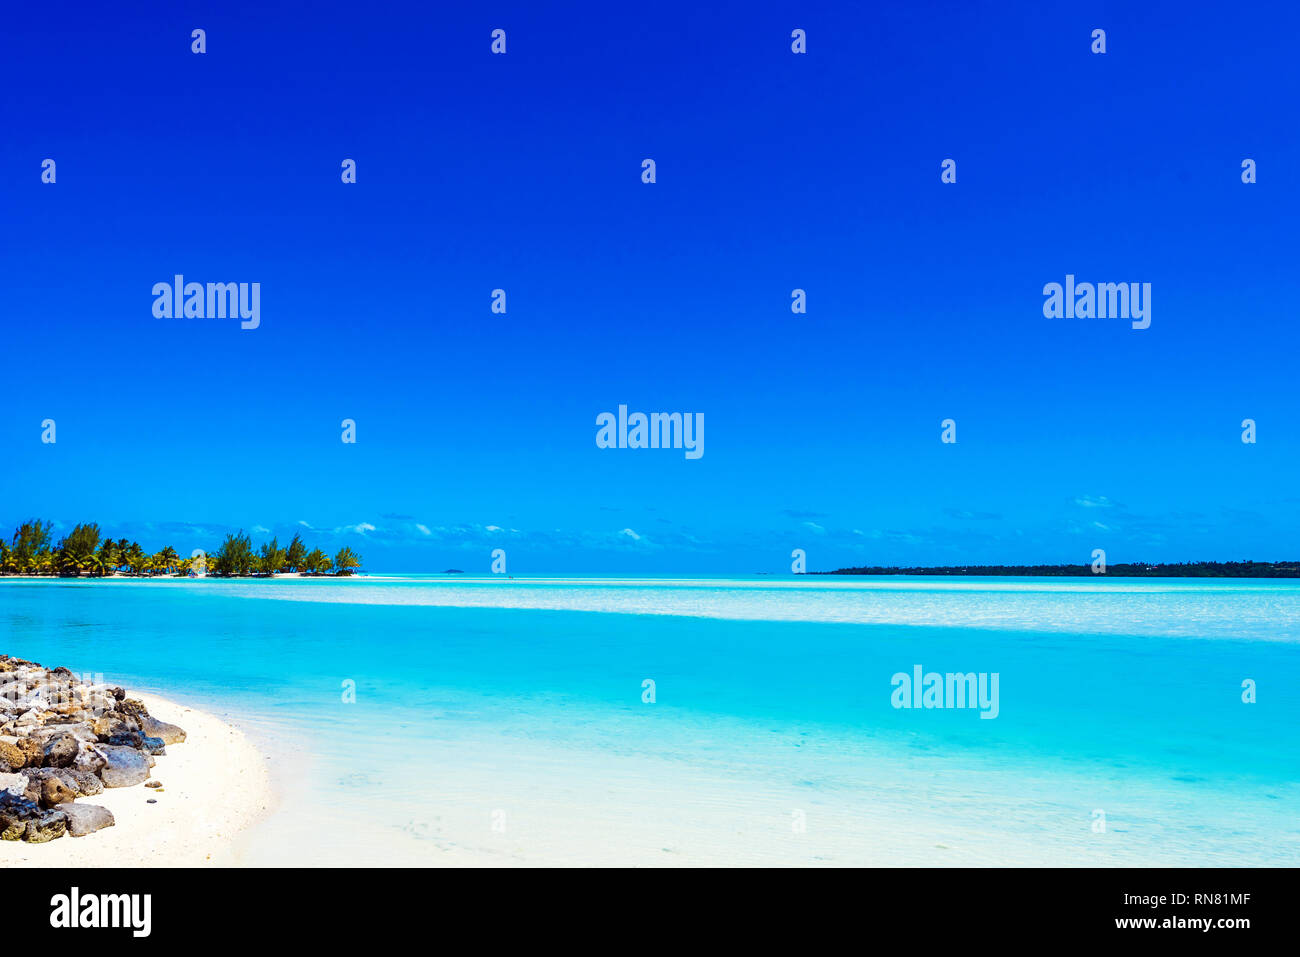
[61, 751]
[89, 759]
[15, 813]
[99, 703]
[16, 783]
[123, 767]
[83, 731]
[85, 818]
[52, 824]
[35, 781]
[80, 783]
[126, 739]
[170, 733]
[85, 783]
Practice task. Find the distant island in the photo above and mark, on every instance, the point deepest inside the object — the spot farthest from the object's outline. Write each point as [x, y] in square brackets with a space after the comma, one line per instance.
[83, 554]
[1120, 570]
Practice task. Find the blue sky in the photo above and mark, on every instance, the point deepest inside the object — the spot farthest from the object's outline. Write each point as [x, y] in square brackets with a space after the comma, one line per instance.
[775, 171]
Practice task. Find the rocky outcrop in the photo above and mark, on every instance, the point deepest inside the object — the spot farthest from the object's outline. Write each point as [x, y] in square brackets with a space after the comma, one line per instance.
[61, 739]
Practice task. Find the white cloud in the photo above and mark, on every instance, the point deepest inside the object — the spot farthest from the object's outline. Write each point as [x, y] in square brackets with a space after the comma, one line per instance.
[1087, 501]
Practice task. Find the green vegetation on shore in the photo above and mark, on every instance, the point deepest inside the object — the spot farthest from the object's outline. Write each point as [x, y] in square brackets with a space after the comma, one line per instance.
[1245, 569]
[82, 553]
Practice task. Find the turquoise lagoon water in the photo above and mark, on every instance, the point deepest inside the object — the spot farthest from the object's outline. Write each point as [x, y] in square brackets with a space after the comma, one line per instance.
[502, 721]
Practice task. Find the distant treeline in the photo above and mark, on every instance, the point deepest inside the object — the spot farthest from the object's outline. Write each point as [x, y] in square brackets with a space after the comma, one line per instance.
[82, 553]
[1123, 570]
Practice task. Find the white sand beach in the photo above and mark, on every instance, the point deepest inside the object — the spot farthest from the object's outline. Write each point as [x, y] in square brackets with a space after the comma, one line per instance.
[214, 785]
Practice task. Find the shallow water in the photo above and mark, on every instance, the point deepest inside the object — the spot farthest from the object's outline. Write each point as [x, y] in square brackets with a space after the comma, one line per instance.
[502, 721]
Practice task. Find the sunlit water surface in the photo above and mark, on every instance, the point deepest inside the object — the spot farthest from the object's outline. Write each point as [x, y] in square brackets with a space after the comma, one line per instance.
[503, 721]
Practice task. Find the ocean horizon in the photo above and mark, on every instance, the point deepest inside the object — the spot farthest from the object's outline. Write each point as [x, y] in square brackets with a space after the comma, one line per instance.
[430, 719]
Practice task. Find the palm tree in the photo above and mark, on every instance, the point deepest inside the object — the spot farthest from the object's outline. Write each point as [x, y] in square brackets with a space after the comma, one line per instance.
[134, 557]
[76, 547]
[167, 559]
[107, 556]
[345, 561]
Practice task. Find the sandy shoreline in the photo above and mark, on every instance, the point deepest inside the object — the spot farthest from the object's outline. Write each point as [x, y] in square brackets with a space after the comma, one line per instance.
[215, 785]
